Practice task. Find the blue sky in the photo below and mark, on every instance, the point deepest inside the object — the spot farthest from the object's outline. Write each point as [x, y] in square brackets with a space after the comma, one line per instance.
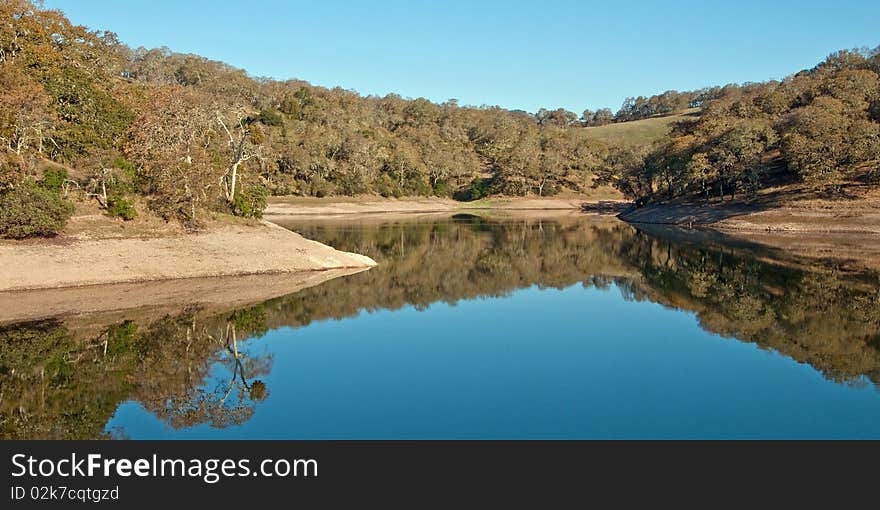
[514, 54]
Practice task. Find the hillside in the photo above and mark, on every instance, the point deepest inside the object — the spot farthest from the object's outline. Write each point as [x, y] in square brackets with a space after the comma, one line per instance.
[817, 129]
[639, 133]
[84, 117]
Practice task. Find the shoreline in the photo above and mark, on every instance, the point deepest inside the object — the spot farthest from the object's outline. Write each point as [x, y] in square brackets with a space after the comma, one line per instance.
[203, 293]
[857, 217]
[287, 207]
[77, 264]
[845, 233]
[826, 218]
[102, 265]
[221, 251]
[791, 208]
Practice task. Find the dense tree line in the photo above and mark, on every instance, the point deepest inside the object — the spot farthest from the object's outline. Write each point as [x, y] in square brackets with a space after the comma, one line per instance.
[111, 123]
[820, 127]
[84, 116]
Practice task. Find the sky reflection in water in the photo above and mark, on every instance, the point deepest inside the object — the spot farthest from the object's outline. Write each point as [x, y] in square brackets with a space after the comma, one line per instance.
[578, 361]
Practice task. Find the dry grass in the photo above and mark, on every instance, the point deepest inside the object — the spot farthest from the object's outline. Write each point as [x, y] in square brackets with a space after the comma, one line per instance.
[639, 132]
[90, 221]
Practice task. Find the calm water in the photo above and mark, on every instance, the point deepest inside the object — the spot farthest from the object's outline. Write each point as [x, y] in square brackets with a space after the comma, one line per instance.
[468, 328]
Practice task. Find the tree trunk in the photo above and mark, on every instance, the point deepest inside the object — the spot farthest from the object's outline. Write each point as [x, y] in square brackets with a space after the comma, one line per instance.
[233, 180]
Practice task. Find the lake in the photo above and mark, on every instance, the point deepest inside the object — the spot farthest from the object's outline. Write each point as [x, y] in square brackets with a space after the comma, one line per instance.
[574, 327]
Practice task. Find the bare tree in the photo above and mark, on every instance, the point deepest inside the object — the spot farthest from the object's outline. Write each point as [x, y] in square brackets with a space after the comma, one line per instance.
[171, 143]
[241, 149]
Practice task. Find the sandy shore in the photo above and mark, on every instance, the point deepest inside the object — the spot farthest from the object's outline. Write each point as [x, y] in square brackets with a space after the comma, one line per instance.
[96, 255]
[224, 250]
[280, 207]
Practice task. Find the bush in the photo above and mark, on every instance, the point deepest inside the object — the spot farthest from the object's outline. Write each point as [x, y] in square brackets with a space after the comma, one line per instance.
[130, 180]
[120, 207]
[550, 189]
[250, 201]
[30, 210]
[250, 321]
[478, 189]
[319, 187]
[258, 392]
[386, 187]
[441, 189]
[418, 185]
[270, 118]
[53, 179]
[123, 338]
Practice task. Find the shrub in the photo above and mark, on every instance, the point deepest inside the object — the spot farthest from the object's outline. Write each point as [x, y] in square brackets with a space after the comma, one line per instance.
[270, 118]
[352, 183]
[550, 189]
[123, 338]
[386, 186]
[53, 179]
[478, 189]
[874, 110]
[250, 201]
[250, 321]
[130, 180]
[319, 187]
[441, 189]
[30, 210]
[418, 185]
[120, 207]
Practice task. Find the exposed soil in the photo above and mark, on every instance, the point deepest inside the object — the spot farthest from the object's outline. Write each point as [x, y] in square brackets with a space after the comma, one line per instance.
[102, 264]
[222, 250]
[841, 230]
[786, 209]
[280, 207]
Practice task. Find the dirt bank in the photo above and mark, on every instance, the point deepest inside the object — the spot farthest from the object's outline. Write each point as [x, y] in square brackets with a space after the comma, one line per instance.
[855, 214]
[841, 218]
[222, 250]
[843, 232]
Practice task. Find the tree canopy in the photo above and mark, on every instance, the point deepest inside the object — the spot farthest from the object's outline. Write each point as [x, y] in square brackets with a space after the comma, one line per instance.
[190, 134]
[820, 127]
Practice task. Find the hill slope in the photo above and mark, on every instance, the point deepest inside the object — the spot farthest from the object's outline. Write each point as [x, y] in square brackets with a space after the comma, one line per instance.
[639, 132]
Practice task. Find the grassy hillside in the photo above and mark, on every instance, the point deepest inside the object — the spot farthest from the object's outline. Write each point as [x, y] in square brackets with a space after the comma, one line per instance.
[639, 132]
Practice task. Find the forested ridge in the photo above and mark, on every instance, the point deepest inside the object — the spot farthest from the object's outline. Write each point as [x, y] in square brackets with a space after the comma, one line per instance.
[82, 113]
[85, 117]
[819, 128]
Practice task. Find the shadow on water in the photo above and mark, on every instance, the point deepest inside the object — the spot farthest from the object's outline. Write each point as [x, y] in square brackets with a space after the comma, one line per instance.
[65, 378]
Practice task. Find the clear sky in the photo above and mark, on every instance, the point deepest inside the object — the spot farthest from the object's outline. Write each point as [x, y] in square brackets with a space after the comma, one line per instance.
[516, 54]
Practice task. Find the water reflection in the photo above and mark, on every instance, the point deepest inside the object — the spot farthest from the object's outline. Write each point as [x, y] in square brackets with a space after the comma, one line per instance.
[66, 378]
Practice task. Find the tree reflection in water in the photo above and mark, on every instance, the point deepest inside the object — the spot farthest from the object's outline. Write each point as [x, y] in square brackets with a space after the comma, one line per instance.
[65, 378]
